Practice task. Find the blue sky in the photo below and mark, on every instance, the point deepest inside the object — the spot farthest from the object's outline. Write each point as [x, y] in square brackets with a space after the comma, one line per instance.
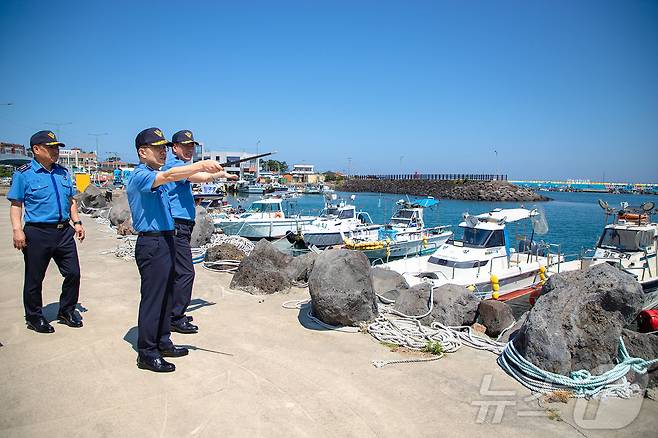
[561, 89]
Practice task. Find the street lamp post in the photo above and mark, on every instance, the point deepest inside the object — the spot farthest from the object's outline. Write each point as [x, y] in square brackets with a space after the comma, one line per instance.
[58, 126]
[98, 156]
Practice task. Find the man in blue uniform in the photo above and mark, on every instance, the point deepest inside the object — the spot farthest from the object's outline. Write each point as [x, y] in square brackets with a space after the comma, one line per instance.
[155, 251]
[183, 212]
[44, 189]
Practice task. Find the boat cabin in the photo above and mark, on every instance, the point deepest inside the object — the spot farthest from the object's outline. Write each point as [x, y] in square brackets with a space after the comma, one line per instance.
[630, 231]
[484, 237]
[270, 207]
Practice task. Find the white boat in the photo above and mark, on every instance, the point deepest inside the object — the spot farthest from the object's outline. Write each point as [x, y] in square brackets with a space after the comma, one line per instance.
[486, 260]
[255, 188]
[405, 235]
[263, 219]
[629, 242]
[336, 218]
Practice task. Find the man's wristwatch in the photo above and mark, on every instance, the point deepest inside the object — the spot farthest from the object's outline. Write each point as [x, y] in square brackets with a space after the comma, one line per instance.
[77, 223]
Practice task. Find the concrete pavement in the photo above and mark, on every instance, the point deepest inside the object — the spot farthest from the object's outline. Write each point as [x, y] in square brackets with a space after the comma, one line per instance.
[254, 370]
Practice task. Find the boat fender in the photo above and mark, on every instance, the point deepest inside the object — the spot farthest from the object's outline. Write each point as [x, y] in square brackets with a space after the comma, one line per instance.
[542, 274]
[495, 287]
[471, 287]
[647, 321]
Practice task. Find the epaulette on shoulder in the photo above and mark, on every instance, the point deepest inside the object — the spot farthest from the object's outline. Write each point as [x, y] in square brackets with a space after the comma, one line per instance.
[23, 168]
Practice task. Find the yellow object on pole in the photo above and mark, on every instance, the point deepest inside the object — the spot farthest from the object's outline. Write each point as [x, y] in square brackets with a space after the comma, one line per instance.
[82, 180]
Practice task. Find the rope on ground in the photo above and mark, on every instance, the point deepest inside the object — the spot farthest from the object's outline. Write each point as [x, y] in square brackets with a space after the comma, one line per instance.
[125, 248]
[222, 266]
[407, 331]
[306, 305]
[580, 383]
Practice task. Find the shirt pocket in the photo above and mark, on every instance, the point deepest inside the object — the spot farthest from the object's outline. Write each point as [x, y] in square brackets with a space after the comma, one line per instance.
[66, 189]
[39, 192]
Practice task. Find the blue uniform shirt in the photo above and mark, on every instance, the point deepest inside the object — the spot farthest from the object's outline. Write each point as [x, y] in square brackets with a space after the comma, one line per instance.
[149, 207]
[180, 192]
[46, 196]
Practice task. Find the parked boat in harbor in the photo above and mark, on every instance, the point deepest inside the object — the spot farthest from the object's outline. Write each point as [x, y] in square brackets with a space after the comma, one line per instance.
[263, 219]
[336, 218]
[629, 242]
[405, 235]
[486, 260]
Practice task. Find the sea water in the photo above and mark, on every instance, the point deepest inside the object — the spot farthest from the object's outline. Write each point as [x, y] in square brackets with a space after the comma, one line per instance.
[575, 220]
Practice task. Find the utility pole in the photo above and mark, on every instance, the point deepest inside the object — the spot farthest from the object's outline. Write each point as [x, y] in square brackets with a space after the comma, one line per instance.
[58, 126]
[98, 156]
[257, 161]
[496, 163]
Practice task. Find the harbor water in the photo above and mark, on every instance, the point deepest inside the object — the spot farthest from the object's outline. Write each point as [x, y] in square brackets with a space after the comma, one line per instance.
[575, 219]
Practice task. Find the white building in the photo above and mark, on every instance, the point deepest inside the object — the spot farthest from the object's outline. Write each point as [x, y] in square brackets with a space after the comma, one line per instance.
[244, 169]
[303, 173]
[75, 158]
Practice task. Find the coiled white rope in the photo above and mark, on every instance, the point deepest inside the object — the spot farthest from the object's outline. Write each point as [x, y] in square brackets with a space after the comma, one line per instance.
[305, 306]
[125, 248]
[407, 331]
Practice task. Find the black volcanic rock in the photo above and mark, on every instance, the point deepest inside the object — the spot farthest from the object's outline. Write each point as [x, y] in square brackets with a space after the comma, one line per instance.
[492, 191]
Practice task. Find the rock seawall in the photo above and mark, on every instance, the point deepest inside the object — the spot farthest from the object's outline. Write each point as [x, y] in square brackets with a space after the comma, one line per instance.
[496, 191]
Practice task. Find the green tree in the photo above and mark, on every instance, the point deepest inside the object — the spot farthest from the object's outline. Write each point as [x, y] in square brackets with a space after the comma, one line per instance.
[274, 165]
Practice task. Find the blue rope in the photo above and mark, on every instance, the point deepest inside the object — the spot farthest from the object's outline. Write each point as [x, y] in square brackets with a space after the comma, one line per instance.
[582, 383]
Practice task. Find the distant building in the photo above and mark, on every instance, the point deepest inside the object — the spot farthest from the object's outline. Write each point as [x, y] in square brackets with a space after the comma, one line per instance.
[111, 165]
[77, 159]
[14, 154]
[244, 170]
[305, 173]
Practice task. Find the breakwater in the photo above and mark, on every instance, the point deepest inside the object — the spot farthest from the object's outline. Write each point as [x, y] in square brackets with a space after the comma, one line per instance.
[465, 190]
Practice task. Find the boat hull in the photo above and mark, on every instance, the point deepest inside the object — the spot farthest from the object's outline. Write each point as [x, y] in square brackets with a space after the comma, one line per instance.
[259, 229]
[407, 248]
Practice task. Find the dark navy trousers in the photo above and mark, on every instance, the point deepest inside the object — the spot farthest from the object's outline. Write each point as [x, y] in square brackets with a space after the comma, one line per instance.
[184, 271]
[155, 260]
[44, 244]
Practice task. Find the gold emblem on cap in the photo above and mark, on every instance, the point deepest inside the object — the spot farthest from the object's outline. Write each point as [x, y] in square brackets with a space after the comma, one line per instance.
[51, 135]
[188, 134]
[158, 133]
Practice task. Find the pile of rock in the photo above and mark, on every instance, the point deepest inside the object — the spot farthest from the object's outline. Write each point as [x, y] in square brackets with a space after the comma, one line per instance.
[203, 228]
[494, 191]
[341, 288]
[91, 199]
[577, 322]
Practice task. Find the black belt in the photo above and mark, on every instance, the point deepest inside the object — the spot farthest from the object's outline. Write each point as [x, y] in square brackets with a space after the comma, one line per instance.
[57, 225]
[157, 233]
[184, 222]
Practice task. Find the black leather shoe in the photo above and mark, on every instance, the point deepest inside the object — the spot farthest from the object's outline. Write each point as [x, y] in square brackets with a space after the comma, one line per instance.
[156, 364]
[40, 325]
[184, 326]
[189, 318]
[175, 351]
[70, 319]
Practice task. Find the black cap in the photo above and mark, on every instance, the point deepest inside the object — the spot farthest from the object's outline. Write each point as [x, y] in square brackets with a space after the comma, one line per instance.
[151, 137]
[45, 138]
[184, 137]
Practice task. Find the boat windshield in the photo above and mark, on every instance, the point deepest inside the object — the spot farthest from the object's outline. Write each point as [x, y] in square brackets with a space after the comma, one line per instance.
[479, 238]
[331, 211]
[346, 214]
[403, 217]
[261, 207]
[625, 240]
